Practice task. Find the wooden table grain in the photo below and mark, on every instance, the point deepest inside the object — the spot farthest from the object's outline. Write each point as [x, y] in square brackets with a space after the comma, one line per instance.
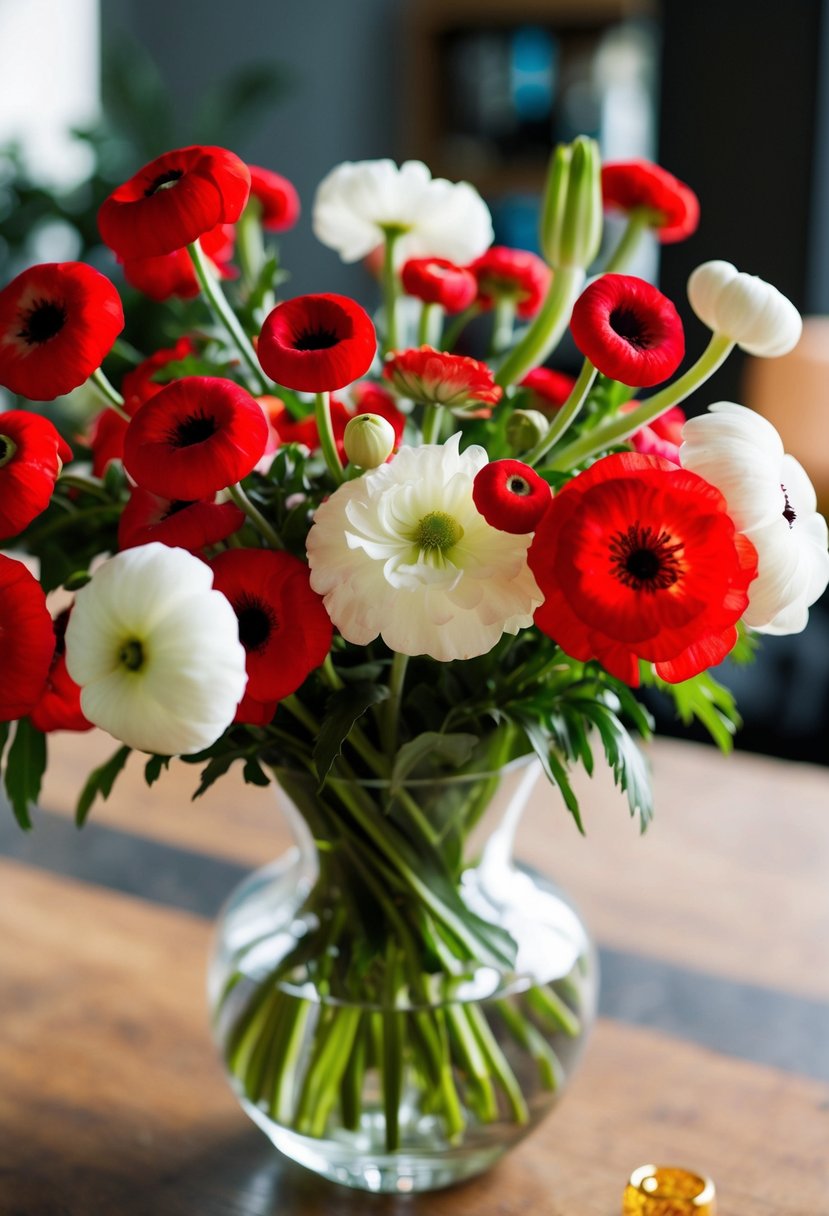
[712, 1049]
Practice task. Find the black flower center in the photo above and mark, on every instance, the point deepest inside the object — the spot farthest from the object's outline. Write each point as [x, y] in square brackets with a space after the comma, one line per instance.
[257, 622]
[131, 655]
[645, 559]
[316, 339]
[629, 325]
[519, 485]
[195, 429]
[43, 321]
[7, 449]
[164, 181]
[789, 513]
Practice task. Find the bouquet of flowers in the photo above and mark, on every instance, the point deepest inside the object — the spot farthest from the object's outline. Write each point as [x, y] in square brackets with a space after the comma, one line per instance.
[330, 548]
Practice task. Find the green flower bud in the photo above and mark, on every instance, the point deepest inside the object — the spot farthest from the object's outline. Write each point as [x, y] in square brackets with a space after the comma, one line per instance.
[368, 440]
[525, 429]
[571, 215]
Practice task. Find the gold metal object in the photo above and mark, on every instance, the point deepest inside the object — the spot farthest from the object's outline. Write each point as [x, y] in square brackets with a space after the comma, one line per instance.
[667, 1190]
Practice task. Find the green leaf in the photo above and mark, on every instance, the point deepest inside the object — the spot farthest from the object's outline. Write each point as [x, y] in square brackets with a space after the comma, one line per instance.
[99, 783]
[254, 774]
[153, 768]
[554, 770]
[216, 768]
[343, 708]
[431, 749]
[630, 771]
[704, 699]
[25, 766]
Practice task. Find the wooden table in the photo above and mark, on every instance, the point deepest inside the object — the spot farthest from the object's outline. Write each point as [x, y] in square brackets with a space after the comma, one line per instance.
[712, 1050]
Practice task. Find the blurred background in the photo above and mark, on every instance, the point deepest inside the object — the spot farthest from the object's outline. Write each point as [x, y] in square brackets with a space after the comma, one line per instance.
[726, 96]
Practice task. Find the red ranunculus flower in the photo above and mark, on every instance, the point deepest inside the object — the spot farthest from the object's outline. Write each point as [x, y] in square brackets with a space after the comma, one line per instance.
[512, 274]
[283, 625]
[316, 344]
[108, 429]
[639, 185]
[174, 200]
[434, 378]
[182, 525]
[638, 560]
[58, 321]
[194, 438]
[27, 640]
[172, 274]
[661, 437]
[628, 330]
[436, 281]
[278, 198]
[59, 707]
[550, 389]
[31, 454]
[511, 496]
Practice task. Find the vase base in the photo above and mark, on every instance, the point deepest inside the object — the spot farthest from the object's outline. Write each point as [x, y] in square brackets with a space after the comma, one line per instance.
[353, 1162]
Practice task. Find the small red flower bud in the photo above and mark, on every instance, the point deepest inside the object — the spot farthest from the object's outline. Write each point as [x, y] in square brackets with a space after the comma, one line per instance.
[639, 185]
[511, 496]
[278, 198]
[437, 281]
[512, 274]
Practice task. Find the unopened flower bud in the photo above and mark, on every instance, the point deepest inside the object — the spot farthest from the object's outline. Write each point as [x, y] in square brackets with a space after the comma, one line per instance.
[745, 309]
[571, 215]
[525, 429]
[368, 440]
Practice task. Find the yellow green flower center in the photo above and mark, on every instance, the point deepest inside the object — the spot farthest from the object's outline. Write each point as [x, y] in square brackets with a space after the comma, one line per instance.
[437, 533]
[131, 655]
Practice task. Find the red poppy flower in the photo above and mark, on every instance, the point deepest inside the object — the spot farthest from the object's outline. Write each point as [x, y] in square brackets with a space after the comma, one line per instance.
[434, 378]
[27, 640]
[59, 707]
[512, 274]
[550, 389]
[639, 185]
[58, 321]
[174, 200]
[638, 560]
[182, 525]
[255, 713]
[436, 281]
[30, 461]
[510, 495]
[172, 274]
[316, 344]
[283, 625]
[194, 438]
[628, 330]
[108, 429]
[661, 437]
[278, 199]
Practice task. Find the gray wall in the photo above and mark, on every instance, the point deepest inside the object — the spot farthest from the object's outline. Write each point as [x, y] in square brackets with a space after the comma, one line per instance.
[344, 59]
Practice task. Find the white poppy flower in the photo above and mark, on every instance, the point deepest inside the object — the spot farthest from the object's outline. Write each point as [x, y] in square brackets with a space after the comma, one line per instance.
[156, 651]
[745, 309]
[771, 499]
[403, 552]
[359, 201]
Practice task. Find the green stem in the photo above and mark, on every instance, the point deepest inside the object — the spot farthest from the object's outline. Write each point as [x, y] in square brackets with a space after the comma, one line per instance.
[550, 1008]
[566, 416]
[430, 316]
[255, 516]
[108, 393]
[393, 1047]
[637, 223]
[126, 351]
[73, 481]
[625, 425]
[250, 244]
[391, 715]
[391, 290]
[454, 331]
[503, 324]
[546, 330]
[432, 420]
[224, 313]
[322, 413]
[498, 1063]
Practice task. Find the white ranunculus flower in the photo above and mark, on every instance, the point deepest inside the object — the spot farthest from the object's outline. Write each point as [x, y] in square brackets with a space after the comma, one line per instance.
[156, 651]
[359, 201]
[744, 308]
[403, 552]
[771, 499]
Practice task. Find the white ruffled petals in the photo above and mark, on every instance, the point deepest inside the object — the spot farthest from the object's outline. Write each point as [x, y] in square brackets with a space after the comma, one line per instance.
[744, 308]
[156, 651]
[376, 579]
[771, 499]
[359, 200]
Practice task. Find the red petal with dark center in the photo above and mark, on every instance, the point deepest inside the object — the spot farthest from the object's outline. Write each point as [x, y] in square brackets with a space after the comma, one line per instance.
[317, 343]
[628, 330]
[511, 496]
[58, 321]
[29, 467]
[194, 438]
[181, 525]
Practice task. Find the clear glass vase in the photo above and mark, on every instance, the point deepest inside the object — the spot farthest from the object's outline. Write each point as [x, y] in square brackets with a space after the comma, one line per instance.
[397, 1023]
